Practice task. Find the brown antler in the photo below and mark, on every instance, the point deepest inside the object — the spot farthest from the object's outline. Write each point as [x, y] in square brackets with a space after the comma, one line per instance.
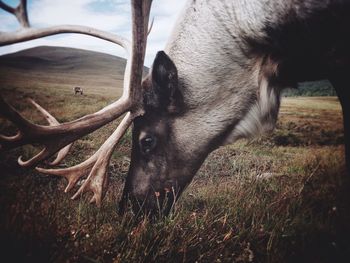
[53, 122]
[55, 137]
[95, 167]
[20, 12]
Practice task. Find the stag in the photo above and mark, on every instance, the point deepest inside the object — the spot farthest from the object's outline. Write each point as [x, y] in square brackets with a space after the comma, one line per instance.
[218, 79]
[77, 90]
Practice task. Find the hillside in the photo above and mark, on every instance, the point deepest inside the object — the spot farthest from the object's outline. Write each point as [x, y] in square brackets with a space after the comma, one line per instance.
[96, 72]
[62, 68]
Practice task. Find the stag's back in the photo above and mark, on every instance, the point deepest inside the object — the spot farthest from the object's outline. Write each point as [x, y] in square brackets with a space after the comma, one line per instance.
[304, 39]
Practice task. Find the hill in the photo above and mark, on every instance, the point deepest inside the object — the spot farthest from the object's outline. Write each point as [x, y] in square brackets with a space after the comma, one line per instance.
[62, 68]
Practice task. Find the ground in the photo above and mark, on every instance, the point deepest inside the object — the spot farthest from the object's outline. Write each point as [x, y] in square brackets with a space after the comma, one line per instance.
[280, 198]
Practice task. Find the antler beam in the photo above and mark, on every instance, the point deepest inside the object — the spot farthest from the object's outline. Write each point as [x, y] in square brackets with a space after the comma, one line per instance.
[7, 38]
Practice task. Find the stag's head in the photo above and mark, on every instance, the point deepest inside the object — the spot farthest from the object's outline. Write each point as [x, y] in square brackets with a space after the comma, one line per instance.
[159, 169]
[172, 138]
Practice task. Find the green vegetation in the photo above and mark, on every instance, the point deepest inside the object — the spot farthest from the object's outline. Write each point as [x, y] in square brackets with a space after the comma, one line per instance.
[280, 198]
[314, 88]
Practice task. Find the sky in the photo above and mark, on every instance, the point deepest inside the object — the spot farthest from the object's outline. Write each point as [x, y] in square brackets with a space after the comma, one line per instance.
[109, 15]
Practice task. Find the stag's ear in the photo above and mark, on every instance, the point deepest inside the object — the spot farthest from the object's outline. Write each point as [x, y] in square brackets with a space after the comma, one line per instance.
[165, 93]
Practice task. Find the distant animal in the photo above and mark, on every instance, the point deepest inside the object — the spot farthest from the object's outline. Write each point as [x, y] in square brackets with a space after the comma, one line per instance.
[78, 90]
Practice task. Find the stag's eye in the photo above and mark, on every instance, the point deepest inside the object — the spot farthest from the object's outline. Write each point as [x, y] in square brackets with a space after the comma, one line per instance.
[148, 144]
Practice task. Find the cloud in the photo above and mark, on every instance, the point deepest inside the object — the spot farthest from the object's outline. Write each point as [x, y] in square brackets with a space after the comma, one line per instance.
[109, 15]
[79, 12]
[7, 21]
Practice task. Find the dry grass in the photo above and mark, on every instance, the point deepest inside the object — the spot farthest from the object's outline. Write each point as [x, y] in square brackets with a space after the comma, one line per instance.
[281, 198]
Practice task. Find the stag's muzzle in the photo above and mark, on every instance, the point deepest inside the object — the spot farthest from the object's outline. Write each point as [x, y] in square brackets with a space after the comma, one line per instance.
[154, 203]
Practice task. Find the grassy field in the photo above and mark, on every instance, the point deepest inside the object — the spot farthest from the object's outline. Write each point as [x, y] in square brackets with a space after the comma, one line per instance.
[280, 198]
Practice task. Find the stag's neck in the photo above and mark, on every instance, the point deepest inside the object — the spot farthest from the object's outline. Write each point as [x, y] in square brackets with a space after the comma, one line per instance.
[219, 81]
[210, 47]
[204, 51]
[225, 59]
[218, 42]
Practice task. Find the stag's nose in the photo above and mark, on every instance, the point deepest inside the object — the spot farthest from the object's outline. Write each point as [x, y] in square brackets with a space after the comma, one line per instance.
[154, 203]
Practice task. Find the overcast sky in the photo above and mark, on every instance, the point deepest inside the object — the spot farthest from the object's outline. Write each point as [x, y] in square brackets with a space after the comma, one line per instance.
[109, 15]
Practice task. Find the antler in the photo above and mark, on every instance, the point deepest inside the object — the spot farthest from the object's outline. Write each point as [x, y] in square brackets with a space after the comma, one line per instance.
[55, 137]
[95, 167]
[20, 12]
[28, 33]
[52, 121]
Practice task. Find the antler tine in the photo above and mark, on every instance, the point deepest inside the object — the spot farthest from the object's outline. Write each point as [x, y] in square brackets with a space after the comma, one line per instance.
[61, 155]
[20, 12]
[140, 13]
[56, 137]
[49, 118]
[150, 27]
[97, 163]
[7, 8]
[97, 178]
[32, 161]
[52, 121]
[13, 138]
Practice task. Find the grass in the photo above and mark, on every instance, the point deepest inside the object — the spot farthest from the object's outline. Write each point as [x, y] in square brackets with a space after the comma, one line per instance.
[281, 198]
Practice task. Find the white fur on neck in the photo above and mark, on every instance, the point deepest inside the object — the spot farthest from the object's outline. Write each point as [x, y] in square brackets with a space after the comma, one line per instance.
[262, 116]
[218, 81]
